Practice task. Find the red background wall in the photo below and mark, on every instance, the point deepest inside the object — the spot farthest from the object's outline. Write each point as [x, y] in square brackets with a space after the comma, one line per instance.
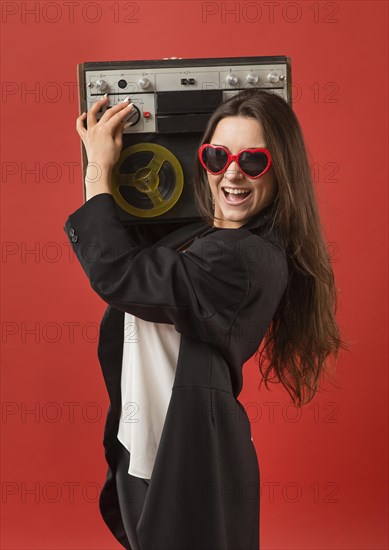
[323, 473]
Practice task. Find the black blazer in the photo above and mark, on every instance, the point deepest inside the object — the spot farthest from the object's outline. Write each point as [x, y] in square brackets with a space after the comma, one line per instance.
[220, 294]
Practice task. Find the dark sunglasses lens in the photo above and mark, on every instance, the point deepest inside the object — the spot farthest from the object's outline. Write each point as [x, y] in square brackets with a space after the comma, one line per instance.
[214, 159]
[253, 163]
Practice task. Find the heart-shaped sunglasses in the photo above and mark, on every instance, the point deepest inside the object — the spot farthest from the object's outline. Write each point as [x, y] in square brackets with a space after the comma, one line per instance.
[254, 163]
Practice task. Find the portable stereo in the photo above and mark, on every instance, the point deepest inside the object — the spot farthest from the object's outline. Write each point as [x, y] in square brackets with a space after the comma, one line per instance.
[173, 100]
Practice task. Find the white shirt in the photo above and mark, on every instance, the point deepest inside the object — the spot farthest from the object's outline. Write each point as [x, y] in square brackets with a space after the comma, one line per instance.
[150, 353]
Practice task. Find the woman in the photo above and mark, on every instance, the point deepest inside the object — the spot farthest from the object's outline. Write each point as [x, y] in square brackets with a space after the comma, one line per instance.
[256, 270]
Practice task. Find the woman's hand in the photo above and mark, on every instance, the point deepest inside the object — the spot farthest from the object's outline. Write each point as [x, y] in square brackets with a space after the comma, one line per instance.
[103, 139]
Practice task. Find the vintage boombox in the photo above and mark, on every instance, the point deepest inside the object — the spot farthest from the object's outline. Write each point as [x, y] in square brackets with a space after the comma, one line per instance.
[173, 100]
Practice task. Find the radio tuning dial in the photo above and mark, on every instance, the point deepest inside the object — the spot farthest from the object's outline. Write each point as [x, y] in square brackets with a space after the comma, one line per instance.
[144, 83]
[102, 85]
[252, 78]
[232, 79]
[134, 116]
[273, 77]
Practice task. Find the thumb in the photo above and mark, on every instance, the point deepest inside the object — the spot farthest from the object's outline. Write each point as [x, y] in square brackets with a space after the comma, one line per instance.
[118, 137]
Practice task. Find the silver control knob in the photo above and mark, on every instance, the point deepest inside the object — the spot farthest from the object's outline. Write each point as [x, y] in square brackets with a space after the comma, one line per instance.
[133, 118]
[144, 83]
[252, 78]
[102, 85]
[232, 79]
[273, 77]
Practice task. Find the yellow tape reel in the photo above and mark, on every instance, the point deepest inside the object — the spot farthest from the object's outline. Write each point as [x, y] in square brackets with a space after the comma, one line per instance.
[146, 180]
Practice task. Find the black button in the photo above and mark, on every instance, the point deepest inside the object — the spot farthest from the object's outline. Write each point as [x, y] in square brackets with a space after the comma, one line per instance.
[71, 231]
[75, 238]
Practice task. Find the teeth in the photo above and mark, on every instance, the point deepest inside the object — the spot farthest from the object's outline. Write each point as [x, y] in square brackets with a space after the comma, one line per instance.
[236, 191]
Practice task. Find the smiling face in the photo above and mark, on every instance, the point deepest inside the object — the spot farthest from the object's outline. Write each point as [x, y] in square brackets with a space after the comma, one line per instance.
[231, 209]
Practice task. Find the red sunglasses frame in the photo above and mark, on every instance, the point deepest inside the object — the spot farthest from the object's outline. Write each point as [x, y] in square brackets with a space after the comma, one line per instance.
[235, 158]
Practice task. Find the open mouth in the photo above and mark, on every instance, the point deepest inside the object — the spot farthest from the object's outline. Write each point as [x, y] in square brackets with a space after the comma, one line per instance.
[233, 196]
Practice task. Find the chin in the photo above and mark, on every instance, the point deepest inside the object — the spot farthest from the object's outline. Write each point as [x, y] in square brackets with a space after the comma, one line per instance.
[234, 217]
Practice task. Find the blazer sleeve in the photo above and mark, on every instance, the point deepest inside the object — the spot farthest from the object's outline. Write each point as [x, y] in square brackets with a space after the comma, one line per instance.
[199, 291]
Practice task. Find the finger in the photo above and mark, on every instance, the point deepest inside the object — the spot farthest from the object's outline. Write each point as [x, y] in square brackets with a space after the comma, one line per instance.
[117, 118]
[109, 113]
[80, 125]
[91, 119]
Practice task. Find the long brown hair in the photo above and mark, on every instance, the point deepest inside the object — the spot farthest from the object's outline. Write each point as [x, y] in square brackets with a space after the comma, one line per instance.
[303, 334]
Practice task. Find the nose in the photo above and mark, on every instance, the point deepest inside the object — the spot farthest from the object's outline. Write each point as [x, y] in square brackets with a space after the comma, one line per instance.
[233, 172]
